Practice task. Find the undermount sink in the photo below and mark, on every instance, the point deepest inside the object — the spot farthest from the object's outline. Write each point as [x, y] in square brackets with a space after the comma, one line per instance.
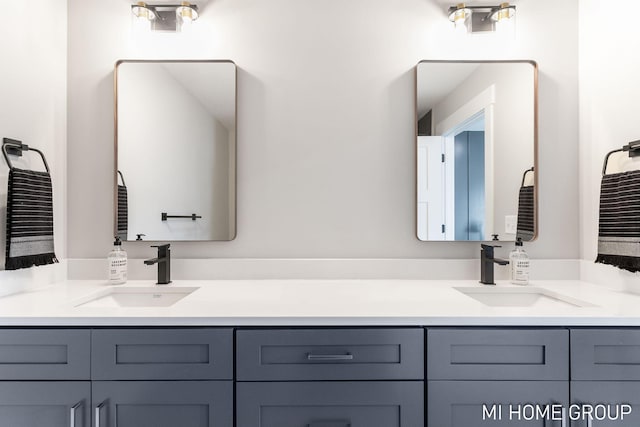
[137, 297]
[530, 296]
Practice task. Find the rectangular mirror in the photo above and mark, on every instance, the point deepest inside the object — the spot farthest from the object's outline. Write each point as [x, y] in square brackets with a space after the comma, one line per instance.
[175, 147]
[476, 150]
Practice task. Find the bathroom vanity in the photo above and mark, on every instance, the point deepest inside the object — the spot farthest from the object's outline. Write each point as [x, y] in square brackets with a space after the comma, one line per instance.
[81, 364]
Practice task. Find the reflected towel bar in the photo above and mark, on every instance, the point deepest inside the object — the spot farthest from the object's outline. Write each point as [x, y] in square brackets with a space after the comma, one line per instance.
[633, 148]
[14, 147]
[524, 175]
[193, 217]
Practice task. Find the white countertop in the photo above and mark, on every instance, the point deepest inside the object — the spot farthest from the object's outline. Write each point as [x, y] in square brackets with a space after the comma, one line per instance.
[318, 302]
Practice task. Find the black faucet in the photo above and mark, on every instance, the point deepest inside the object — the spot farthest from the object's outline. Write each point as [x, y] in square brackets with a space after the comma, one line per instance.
[486, 264]
[164, 263]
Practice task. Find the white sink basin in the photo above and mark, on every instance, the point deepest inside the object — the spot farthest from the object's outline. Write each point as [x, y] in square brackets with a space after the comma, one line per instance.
[136, 297]
[528, 296]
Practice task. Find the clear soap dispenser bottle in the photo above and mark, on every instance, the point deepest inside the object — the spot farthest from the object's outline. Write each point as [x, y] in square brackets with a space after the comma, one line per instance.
[519, 261]
[117, 260]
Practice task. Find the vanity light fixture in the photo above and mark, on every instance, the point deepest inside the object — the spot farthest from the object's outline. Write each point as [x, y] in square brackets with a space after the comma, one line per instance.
[166, 17]
[481, 18]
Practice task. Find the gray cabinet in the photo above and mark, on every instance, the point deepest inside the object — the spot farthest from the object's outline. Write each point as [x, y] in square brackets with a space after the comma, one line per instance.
[45, 404]
[460, 403]
[298, 364]
[330, 404]
[177, 365]
[162, 403]
[516, 369]
[605, 373]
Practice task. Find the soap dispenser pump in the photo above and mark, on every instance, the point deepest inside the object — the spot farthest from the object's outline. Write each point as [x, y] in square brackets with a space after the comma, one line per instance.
[519, 261]
[117, 260]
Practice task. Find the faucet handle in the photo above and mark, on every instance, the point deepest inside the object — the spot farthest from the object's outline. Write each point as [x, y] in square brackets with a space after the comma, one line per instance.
[164, 246]
[485, 246]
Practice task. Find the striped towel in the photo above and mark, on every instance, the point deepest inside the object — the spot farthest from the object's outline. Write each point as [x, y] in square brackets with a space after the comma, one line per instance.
[29, 219]
[619, 227]
[525, 229]
[123, 213]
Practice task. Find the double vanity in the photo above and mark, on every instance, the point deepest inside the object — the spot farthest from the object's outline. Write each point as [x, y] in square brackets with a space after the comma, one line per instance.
[332, 353]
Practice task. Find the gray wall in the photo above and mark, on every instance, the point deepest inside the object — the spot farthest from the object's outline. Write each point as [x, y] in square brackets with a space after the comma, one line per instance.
[326, 121]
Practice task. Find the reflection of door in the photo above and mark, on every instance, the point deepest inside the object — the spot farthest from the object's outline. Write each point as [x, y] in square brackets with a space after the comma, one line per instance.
[430, 188]
[469, 185]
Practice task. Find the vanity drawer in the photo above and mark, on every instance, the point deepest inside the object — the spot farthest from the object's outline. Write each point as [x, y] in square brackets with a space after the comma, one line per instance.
[497, 354]
[162, 354]
[605, 354]
[330, 354]
[45, 354]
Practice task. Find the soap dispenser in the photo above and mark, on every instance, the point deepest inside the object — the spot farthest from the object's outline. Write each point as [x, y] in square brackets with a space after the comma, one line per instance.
[117, 260]
[519, 262]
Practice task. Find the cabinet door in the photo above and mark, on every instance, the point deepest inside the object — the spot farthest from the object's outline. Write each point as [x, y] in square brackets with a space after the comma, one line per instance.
[330, 404]
[517, 403]
[163, 403]
[599, 403]
[45, 404]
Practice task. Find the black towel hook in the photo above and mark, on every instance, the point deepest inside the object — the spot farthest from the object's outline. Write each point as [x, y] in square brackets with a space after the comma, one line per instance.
[633, 148]
[15, 148]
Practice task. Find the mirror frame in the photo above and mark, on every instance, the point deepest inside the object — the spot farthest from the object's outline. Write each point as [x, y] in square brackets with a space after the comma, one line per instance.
[536, 165]
[115, 138]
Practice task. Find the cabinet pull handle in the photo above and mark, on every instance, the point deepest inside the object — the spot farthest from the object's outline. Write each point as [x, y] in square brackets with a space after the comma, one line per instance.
[311, 356]
[563, 421]
[589, 421]
[72, 414]
[97, 413]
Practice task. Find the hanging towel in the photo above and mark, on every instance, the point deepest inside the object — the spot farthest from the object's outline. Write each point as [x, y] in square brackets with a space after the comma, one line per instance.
[619, 226]
[123, 213]
[525, 229]
[29, 219]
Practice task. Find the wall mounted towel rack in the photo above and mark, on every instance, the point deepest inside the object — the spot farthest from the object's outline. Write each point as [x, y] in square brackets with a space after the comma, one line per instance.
[13, 147]
[633, 148]
[193, 217]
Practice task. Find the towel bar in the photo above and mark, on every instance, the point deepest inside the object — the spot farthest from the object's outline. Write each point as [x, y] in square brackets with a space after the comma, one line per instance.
[193, 217]
[15, 148]
[633, 148]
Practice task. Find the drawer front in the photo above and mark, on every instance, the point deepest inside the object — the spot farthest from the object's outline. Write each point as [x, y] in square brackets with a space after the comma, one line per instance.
[162, 354]
[45, 354]
[330, 354]
[497, 354]
[605, 354]
[330, 404]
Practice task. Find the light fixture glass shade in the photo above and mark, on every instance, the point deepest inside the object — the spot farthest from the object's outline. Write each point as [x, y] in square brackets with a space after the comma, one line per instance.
[186, 12]
[504, 12]
[142, 11]
[460, 16]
